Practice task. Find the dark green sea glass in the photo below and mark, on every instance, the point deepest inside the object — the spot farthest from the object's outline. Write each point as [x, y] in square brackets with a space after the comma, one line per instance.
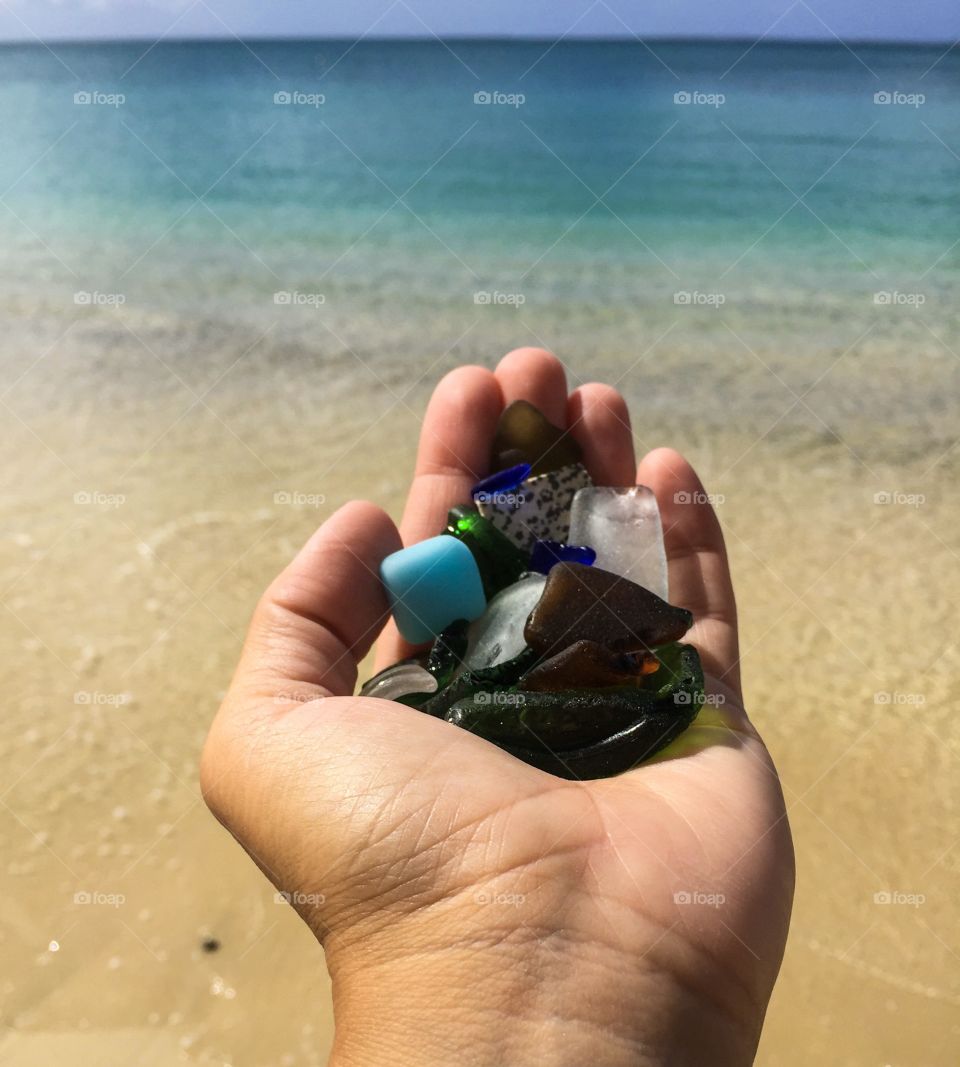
[502, 676]
[588, 734]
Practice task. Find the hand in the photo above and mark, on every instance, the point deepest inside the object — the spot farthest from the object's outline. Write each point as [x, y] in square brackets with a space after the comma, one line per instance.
[474, 909]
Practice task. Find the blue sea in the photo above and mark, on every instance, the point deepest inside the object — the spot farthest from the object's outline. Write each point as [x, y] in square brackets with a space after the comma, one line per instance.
[736, 219]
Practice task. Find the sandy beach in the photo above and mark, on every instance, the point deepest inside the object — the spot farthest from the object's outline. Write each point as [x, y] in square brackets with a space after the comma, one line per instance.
[131, 560]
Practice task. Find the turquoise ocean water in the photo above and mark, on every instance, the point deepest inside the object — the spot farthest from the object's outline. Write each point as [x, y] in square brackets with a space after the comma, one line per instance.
[735, 206]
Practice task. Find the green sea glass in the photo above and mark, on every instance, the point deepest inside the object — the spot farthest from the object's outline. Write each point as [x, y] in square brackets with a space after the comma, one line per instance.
[498, 559]
[588, 733]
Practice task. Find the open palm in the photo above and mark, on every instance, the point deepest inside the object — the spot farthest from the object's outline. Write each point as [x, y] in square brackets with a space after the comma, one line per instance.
[391, 829]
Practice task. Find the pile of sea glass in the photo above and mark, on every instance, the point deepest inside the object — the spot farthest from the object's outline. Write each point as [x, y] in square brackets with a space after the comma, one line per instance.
[545, 600]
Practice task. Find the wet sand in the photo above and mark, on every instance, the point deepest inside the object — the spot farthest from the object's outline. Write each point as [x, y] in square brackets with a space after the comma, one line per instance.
[139, 526]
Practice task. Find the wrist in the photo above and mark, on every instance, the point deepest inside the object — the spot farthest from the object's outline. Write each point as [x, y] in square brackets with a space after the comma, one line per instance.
[535, 997]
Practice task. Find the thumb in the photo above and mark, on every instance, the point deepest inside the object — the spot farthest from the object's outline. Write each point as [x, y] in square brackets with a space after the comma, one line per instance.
[311, 627]
[319, 617]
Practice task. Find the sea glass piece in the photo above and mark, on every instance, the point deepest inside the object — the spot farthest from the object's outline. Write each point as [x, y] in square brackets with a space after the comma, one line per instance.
[623, 526]
[524, 434]
[587, 665]
[539, 510]
[430, 585]
[499, 560]
[583, 734]
[402, 679]
[504, 481]
[498, 677]
[497, 636]
[547, 554]
[446, 654]
[588, 603]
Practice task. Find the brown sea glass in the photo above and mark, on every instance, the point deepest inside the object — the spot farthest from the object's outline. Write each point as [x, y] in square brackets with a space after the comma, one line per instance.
[587, 665]
[523, 435]
[585, 603]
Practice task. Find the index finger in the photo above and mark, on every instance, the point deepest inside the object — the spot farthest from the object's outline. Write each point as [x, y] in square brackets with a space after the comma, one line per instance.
[453, 455]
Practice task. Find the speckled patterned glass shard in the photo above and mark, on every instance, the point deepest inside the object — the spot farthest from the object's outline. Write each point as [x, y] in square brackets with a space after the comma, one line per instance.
[539, 510]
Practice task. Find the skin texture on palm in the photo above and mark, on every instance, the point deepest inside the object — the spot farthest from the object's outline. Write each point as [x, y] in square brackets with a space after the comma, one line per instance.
[455, 888]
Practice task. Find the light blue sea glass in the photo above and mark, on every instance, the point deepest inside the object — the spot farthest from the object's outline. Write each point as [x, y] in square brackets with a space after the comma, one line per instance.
[430, 585]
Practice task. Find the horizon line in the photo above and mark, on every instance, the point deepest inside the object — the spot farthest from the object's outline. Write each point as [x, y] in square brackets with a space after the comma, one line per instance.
[834, 41]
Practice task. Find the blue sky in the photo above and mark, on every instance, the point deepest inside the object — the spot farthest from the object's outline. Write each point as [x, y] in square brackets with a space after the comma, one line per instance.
[937, 20]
